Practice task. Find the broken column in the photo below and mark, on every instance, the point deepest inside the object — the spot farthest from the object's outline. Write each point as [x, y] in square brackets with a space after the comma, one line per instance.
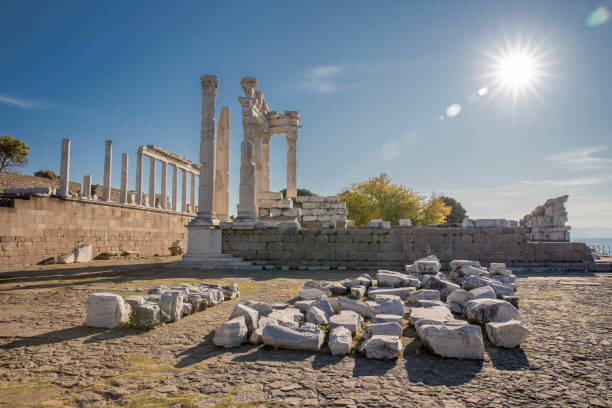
[193, 191]
[247, 211]
[108, 156]
[174, 186]
[291, 137]
[65, 169]
[164, 186]
[547, 222]
[152, 182]
[139, 163]
[184, 192]
[124, 178]
[86, 190]
[223, 158]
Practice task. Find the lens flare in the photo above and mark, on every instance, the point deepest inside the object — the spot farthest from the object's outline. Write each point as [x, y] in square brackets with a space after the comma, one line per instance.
[453, 110]
[483, 91]
[598, 17]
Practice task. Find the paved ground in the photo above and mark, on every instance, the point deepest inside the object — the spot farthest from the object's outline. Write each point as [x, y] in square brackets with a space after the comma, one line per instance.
[47, 356]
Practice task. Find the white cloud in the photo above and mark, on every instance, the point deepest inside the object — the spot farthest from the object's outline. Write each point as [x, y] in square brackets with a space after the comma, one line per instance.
[390, 150]
[20, 103]
[580, 159]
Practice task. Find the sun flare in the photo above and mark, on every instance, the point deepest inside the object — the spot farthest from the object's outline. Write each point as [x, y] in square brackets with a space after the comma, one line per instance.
[517, 70]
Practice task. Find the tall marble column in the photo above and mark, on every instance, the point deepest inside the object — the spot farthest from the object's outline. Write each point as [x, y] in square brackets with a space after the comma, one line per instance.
[184, 192]
[247, 208]
[291, 137]
[152, 182]
[164, 187]
[206, 198]
[86, 190]
[193, 191]
[174, 186]
[124, 178]
[139, 163]
[266, 163]
[222, 171]
[65, 169]
[108, 158]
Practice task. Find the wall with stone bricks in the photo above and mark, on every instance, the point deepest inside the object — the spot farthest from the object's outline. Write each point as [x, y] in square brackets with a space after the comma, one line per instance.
[9, 179]
[396, 246]
[38, 228]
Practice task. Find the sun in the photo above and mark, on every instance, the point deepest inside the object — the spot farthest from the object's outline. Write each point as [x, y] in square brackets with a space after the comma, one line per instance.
[516, 69]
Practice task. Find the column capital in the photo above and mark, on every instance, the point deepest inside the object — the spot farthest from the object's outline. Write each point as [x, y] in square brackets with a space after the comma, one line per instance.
[210, 84]
[292, 136]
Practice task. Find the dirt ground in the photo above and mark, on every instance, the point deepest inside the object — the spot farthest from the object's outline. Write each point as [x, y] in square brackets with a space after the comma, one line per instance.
[49, 358]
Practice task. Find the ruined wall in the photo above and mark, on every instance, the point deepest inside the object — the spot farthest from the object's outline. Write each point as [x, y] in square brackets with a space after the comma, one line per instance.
[17, 180]
[38, 228]
[396, 246]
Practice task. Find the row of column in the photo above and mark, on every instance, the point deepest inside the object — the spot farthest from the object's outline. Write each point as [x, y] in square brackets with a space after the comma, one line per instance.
[123, 195]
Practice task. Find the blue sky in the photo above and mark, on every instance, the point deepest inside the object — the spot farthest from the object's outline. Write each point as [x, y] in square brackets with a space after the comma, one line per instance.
[371, 80]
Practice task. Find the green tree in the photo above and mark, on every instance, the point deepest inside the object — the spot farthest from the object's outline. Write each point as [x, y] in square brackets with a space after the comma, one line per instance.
[13, 152]
[458, 213]
[379, 198]
[50, 174]
[300, 192]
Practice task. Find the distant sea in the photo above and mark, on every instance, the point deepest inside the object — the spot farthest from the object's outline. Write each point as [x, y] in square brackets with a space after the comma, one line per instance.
[603, 245]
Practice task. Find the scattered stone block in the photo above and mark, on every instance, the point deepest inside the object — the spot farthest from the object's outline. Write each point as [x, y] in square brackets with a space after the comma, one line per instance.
[360, 281]
[65, 258]
[256, 336]
[430, 303]
[457, 263]
[383, 318]
[262, 308]
[507, 334]
[501, 289]
[324, 305]
[483, 292]
[403, 293]
[424, 294]
[316, 316]
[390, 307]
[106, 310]
[463, 342]
[336, 288]
[187, 309]
[405, 222]
[347, 318]
[434, 282]
[293, 338]
[251, 316]
[381, 347]
[171, 305]
[289, 315]
[460, 297]
[312, 294]
[363, 309]
[232, 333]
[384, 329]
[303, 305]
[513, 300]
[358, 291]
[83, 253]
[147, 316]
[135, 301]
[340, 341]
[396, 279]
[436, 313]
[484, 311]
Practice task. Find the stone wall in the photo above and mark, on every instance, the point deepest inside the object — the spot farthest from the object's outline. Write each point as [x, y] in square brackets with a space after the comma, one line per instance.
[547, 222]
[396, 246]
[316, 210]
[9, 179]
[38, 228]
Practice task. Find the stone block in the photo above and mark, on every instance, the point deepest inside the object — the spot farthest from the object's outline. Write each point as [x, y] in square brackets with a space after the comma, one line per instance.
[390, 307]
[384, 329]
[507, 334]
[439, 314]
[395, 279]
[171, 305]
[484, 311]
[381, 347]
[340, 341]
[347, 318]
[312, 294]
[231, 334]
[65, 258]
[107, 310]
[251, 316]
[463, 342]
[83, 253]
[146, 316]
[293, 338]
[362, 308]
[358, 291]
[403, 293]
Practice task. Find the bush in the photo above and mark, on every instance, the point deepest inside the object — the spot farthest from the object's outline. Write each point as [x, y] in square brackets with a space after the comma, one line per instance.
[50, 174]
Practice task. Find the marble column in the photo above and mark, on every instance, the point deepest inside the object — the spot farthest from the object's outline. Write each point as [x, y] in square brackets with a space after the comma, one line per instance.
[164, 187]
[222, 170]
[139, 163]
[291, 137]
[86, 190]
[206, 197]
[174, 186]
[108, 158]
[152, 182]
[64, 187]
[266, 163]
[247, 209]
[193, 191]
[184, 192]
[124, 179]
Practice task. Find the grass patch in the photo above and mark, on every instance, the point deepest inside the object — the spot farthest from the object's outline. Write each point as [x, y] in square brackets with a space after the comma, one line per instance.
[14, 387]
[228, 401]
[194, 283]
[357, 340]
[248, 285]
[187, 400]
[293, 292]
[143, 365]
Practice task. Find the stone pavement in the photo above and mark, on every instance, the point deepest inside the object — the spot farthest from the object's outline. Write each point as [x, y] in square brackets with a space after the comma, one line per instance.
[47, 356]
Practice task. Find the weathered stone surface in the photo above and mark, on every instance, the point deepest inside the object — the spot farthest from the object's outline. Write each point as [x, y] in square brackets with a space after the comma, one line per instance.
[508, 334]
[434, 282]
[430, 303]
[158, 290]
[106, 310]
[255, 337]
[303, 305]
[232, 333]
[325, 306]
[403, 293]
[187, 309]
[457, 263]
[318, 285]
[437, 322]
[490, 310]
[424, 294]
[336, 288]
[358, 291]
[436, 313]
[288, 315]
[360, 307]
[497, 268]
[454, 307]
[65, 258]
[386, 298]
[483, 292]
[316, 316]
[312, 294]
[292, 338]
[381, 347]
[464, 342]
[360, 281]
[340, 341]
[83, 253]
[513, 300]
[251, 316]
[391, 307]
[429, 264]
[460, 297]
[135, 301]
[501, 289]
[383, 329]
[383, 318]
[171, 305]
[347, 318]
[396, 279]
[469, 270]
[147, 316]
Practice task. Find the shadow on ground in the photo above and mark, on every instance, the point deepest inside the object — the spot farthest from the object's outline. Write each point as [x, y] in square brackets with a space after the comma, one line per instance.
[73, 333]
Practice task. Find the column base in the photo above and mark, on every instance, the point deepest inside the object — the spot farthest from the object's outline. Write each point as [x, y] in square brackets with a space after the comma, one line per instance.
[202, 243]
[204, 222]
